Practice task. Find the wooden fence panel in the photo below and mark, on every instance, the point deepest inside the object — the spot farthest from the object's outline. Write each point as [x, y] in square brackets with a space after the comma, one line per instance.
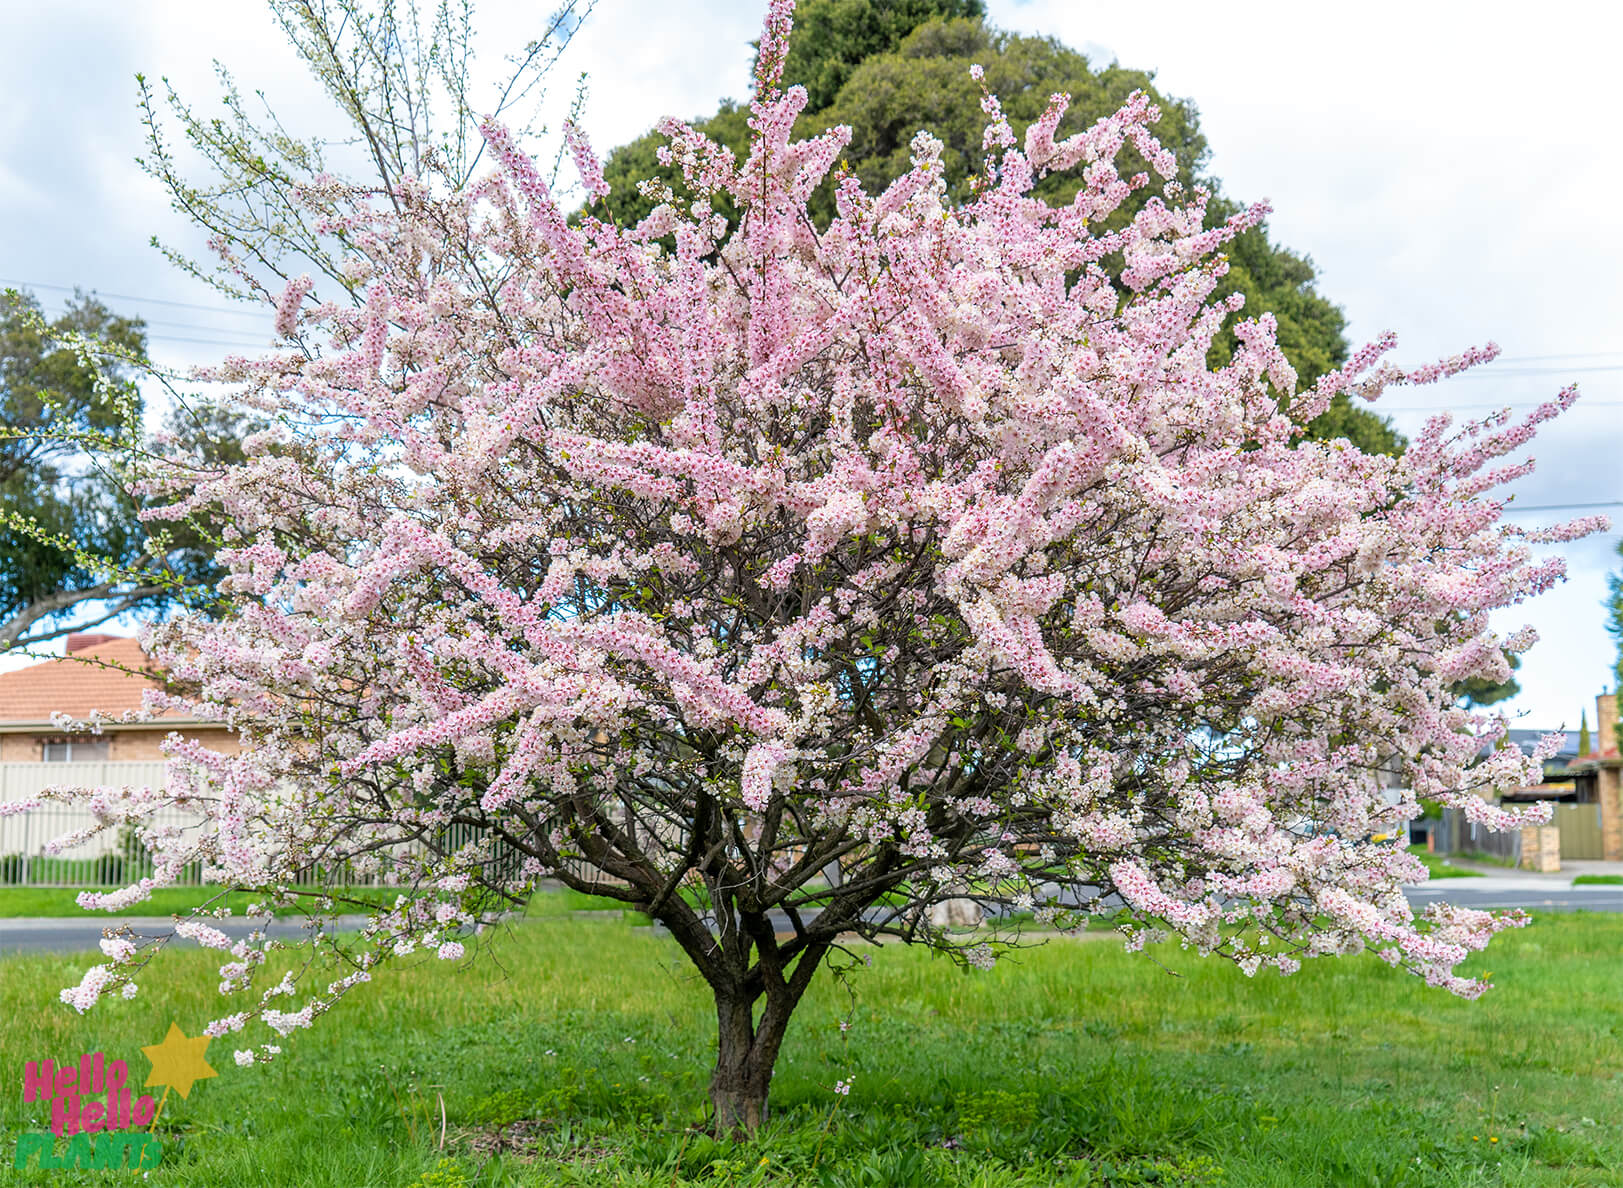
[1580, 830]
[1456, 835]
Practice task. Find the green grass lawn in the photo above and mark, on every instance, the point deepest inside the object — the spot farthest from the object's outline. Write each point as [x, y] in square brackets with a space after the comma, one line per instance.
[1439, 868]
[577, 1052]
[1487, 859]
[166, 901]
[1594, 880]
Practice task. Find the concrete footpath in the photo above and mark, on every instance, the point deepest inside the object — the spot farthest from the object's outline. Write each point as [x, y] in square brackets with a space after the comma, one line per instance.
[1570, 870]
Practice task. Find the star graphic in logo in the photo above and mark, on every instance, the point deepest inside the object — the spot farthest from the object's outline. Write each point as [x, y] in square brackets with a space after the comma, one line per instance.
[178, 1061]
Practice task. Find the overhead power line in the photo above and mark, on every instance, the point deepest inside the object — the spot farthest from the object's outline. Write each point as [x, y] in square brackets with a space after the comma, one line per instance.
[247, 346]
[242, 339]
[1551, 358]
[252, 313]
[1490, 371]
[220, 309]
[204, 326]
[1491, 405]
[1518, 507]
[224, 336]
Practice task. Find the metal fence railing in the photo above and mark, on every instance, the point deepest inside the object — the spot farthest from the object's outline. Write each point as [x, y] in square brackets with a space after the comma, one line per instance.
[1455, 835]
[111, 858]
[116, 858]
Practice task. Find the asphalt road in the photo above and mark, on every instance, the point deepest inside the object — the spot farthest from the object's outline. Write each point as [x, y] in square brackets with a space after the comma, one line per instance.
[1565, 899]
[79, 933]
[67, 934]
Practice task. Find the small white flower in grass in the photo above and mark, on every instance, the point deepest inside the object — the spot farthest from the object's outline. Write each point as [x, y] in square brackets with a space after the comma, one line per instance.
[243, 1057]
[843, 1088]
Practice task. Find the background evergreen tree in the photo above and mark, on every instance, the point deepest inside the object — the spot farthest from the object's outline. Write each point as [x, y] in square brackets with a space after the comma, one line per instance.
[74, 553]
[887, 68]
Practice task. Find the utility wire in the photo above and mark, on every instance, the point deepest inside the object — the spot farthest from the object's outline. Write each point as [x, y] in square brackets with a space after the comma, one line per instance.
[255, 313]
[245, 339]
[225, 309]
[1532, 507]
[242, 339]
[179, 325]
[1551, 358]
[1437, 408]
[247, 346]
[1493, 370]
[1489, 371]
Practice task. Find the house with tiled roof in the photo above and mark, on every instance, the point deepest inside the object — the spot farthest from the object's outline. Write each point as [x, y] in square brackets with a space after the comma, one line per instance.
[1597, 779]
[103, 673]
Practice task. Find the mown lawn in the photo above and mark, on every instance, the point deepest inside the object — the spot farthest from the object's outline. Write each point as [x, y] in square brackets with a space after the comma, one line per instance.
[166, 901]
[1439, 867]
[578, 1056]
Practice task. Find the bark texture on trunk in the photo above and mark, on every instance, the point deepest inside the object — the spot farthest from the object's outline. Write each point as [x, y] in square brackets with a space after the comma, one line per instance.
[745, 964]
[745, 1055]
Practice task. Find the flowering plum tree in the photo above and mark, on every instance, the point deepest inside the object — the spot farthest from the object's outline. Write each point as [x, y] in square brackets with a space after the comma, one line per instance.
[787, 582]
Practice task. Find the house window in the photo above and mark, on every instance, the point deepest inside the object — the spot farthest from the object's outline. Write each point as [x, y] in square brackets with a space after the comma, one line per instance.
[76, 751]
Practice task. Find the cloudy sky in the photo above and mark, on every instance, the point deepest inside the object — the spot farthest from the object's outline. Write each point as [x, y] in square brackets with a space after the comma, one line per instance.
[1452, 177]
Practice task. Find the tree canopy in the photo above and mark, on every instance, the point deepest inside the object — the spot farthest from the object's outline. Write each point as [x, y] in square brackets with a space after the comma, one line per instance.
[887, 70]
[833, 38]
[65, 384]
[1479, 691]
[793, 579]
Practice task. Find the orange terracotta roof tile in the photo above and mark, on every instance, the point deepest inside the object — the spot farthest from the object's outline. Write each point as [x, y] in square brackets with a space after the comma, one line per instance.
[76, 684]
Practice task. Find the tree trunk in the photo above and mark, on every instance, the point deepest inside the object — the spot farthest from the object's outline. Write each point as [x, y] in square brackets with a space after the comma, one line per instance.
[745, 1055]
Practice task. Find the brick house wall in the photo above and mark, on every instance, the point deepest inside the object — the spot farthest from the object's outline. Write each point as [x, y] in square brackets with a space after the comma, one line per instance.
[123, 746]
[1605, 766]
[98, 673]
